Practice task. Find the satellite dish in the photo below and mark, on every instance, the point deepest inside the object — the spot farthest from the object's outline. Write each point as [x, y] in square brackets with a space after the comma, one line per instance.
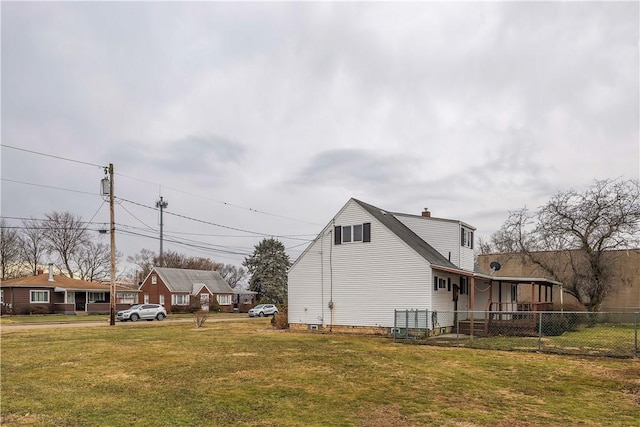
[495, 266]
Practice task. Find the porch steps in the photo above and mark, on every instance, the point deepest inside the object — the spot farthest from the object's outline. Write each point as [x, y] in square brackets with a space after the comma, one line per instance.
[465, 327]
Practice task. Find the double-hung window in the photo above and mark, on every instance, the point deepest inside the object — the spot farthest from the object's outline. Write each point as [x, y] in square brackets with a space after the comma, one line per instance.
[224, 299]
[179, 299]
[466, 238]
[96, 296]
[36, 297]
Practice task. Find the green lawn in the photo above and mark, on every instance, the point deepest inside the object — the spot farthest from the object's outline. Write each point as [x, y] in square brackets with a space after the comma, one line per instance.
[245, 373]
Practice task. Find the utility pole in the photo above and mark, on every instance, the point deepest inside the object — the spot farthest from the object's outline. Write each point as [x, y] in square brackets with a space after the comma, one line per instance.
[161, 204]
[106, 188]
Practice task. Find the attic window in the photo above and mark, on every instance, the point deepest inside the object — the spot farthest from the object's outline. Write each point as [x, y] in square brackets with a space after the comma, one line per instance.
[466, 238]
[154, 279]
[352, 233]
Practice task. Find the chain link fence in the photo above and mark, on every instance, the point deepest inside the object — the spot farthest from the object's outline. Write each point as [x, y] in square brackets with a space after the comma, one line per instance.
[613, 334]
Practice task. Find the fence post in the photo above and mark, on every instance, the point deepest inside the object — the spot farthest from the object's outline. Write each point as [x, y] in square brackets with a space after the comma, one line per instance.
[635, 340]
[395, 324]
[406, 325]
[540, 313]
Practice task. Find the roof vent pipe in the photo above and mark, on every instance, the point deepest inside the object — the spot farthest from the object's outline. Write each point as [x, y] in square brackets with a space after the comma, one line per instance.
[50, 272]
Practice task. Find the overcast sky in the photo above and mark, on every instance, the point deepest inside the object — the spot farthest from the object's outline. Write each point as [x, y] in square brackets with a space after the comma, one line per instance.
[267, 117]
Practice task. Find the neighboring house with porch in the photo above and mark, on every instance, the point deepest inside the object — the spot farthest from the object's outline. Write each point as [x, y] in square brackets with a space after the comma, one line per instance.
[46, 293]
[368, 262]
[625, 280]
[178, 289]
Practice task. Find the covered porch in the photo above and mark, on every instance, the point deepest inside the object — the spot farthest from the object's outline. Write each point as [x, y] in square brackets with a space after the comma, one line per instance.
[507, 305]
[74, 301]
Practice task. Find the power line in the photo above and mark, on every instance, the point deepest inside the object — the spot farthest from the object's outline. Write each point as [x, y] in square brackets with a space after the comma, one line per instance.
[51, 155]
[148, 182]
[257, 233]
[47, 186]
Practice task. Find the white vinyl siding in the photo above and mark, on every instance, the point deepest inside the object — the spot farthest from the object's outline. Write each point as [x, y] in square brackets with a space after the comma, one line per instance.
[443, 235]
[366, 282]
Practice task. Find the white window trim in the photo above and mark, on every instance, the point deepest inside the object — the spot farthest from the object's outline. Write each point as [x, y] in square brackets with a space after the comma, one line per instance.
[224, 299]
[32, 292]
[183, 297]
[1, 296]
[161, 299]
[92, 296]
[351, 234]
[154, 279]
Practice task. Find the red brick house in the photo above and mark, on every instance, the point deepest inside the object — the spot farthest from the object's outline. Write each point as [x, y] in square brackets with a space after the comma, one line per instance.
[179, 289]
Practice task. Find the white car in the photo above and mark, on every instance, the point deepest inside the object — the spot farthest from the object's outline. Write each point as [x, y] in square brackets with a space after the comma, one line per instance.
[143, 311]
[263, 310]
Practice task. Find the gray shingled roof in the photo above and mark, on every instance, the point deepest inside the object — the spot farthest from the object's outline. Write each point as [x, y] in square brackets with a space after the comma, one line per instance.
[414, 241]
[182, 280]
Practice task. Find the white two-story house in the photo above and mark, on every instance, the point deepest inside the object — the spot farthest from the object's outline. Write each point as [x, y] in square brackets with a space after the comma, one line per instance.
[368, 262]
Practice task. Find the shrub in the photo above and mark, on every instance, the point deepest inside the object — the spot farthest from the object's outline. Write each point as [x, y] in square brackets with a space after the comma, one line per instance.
[215, 307]
[281, 320]
[553, 324]
[573, 315]
[200, 317]
[38, 309]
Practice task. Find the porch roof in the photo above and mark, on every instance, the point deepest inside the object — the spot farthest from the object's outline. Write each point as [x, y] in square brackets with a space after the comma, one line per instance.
[514, 279]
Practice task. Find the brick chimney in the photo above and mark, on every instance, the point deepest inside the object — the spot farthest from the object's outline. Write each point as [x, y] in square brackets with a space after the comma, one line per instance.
[426, 213]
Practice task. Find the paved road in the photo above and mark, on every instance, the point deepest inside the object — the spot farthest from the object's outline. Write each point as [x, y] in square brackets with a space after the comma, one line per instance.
[25, 326]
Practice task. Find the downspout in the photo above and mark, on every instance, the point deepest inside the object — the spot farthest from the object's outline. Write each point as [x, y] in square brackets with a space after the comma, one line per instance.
[322, 277]
[333, 222]
[472, 296]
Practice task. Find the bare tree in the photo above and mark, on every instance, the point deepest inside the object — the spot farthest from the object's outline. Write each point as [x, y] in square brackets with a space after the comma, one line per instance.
[33, 245]
[9, 251]
[233, 275]
[93, 261]
[65, 234]
[145, 261]
[573, 237]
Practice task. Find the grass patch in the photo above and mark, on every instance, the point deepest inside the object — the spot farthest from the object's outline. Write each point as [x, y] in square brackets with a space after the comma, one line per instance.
[62, 318]
[245, 373]
[615, 340]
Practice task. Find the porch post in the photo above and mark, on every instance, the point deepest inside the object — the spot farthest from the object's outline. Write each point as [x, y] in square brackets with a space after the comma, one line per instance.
[533, 294]
[472, 295]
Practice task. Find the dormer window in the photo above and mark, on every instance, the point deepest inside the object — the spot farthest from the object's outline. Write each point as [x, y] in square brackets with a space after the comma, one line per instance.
[352, 233]
[466, 238]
